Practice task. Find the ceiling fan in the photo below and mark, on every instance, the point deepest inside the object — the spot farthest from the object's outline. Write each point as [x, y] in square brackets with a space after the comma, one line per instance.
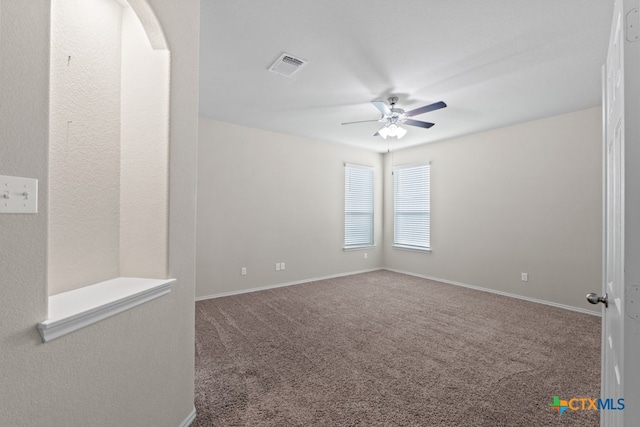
[394, 117]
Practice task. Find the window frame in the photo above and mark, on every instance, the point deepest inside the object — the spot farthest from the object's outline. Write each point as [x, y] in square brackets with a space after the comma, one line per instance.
[398, 240]
[370, 242]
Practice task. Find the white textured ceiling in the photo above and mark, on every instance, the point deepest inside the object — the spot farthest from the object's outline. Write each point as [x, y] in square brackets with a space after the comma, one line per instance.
[494, 62]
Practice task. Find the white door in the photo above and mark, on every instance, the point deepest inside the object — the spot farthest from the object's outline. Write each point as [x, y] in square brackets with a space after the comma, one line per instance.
[613, 287]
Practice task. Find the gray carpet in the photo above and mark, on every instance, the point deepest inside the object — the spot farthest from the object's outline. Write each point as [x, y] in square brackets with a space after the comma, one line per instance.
[387, 349]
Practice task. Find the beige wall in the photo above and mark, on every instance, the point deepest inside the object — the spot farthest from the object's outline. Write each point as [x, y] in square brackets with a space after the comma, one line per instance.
[525, 198]
[264, 198]
[144, 153]
[84, 144]
[133, 369]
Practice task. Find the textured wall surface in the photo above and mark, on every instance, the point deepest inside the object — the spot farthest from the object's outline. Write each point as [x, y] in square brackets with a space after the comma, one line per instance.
[525, 198]
[84, 155]
[266, 198]
[108, 150]
[144, 154]
[133, 369]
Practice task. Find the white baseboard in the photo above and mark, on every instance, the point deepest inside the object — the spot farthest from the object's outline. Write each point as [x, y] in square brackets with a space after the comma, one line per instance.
[190, 418]
[280, 285]
[437, 279]
[493, 291]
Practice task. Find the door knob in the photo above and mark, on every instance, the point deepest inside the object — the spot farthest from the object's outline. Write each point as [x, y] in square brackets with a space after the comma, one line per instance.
[593, 298]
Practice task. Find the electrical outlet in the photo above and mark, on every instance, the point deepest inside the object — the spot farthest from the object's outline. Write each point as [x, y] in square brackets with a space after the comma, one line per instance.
[365, 255]
[282, 266]
[525, 277]
[243, 271]
[277, 266]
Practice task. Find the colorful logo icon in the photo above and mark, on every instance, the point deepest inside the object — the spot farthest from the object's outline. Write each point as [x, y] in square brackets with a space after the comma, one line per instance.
[586, 404]
[559, 405]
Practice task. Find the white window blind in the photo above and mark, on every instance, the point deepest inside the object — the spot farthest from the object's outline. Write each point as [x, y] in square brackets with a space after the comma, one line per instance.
[358, 206]
[412, 206]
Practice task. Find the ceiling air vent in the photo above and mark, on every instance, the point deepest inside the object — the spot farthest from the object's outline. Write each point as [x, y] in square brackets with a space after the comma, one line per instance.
[287, 65]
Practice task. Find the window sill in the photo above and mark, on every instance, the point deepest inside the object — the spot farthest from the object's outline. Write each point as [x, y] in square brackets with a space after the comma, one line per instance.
[358, 248]
[412, 248]
[79, 308]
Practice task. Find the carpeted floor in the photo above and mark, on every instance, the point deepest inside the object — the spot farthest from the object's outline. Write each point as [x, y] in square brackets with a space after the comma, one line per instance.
[387, 349]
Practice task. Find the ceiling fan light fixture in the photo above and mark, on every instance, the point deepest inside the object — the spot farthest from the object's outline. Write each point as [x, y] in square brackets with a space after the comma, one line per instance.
[384, 132]
[392, 130]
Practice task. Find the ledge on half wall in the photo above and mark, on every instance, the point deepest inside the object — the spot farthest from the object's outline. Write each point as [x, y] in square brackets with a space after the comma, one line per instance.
[79, 308]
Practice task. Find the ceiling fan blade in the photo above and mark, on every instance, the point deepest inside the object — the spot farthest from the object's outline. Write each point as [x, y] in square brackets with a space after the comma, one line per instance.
[425, 109]
[360, 121]
[376, 134]
[418, 123]
[382, 107]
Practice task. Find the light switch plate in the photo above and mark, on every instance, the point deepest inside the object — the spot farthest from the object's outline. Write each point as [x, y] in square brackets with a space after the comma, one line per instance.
[18, 195]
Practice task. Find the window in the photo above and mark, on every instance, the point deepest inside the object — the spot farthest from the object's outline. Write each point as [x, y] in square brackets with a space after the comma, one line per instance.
[412, 207]
[358, 206]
